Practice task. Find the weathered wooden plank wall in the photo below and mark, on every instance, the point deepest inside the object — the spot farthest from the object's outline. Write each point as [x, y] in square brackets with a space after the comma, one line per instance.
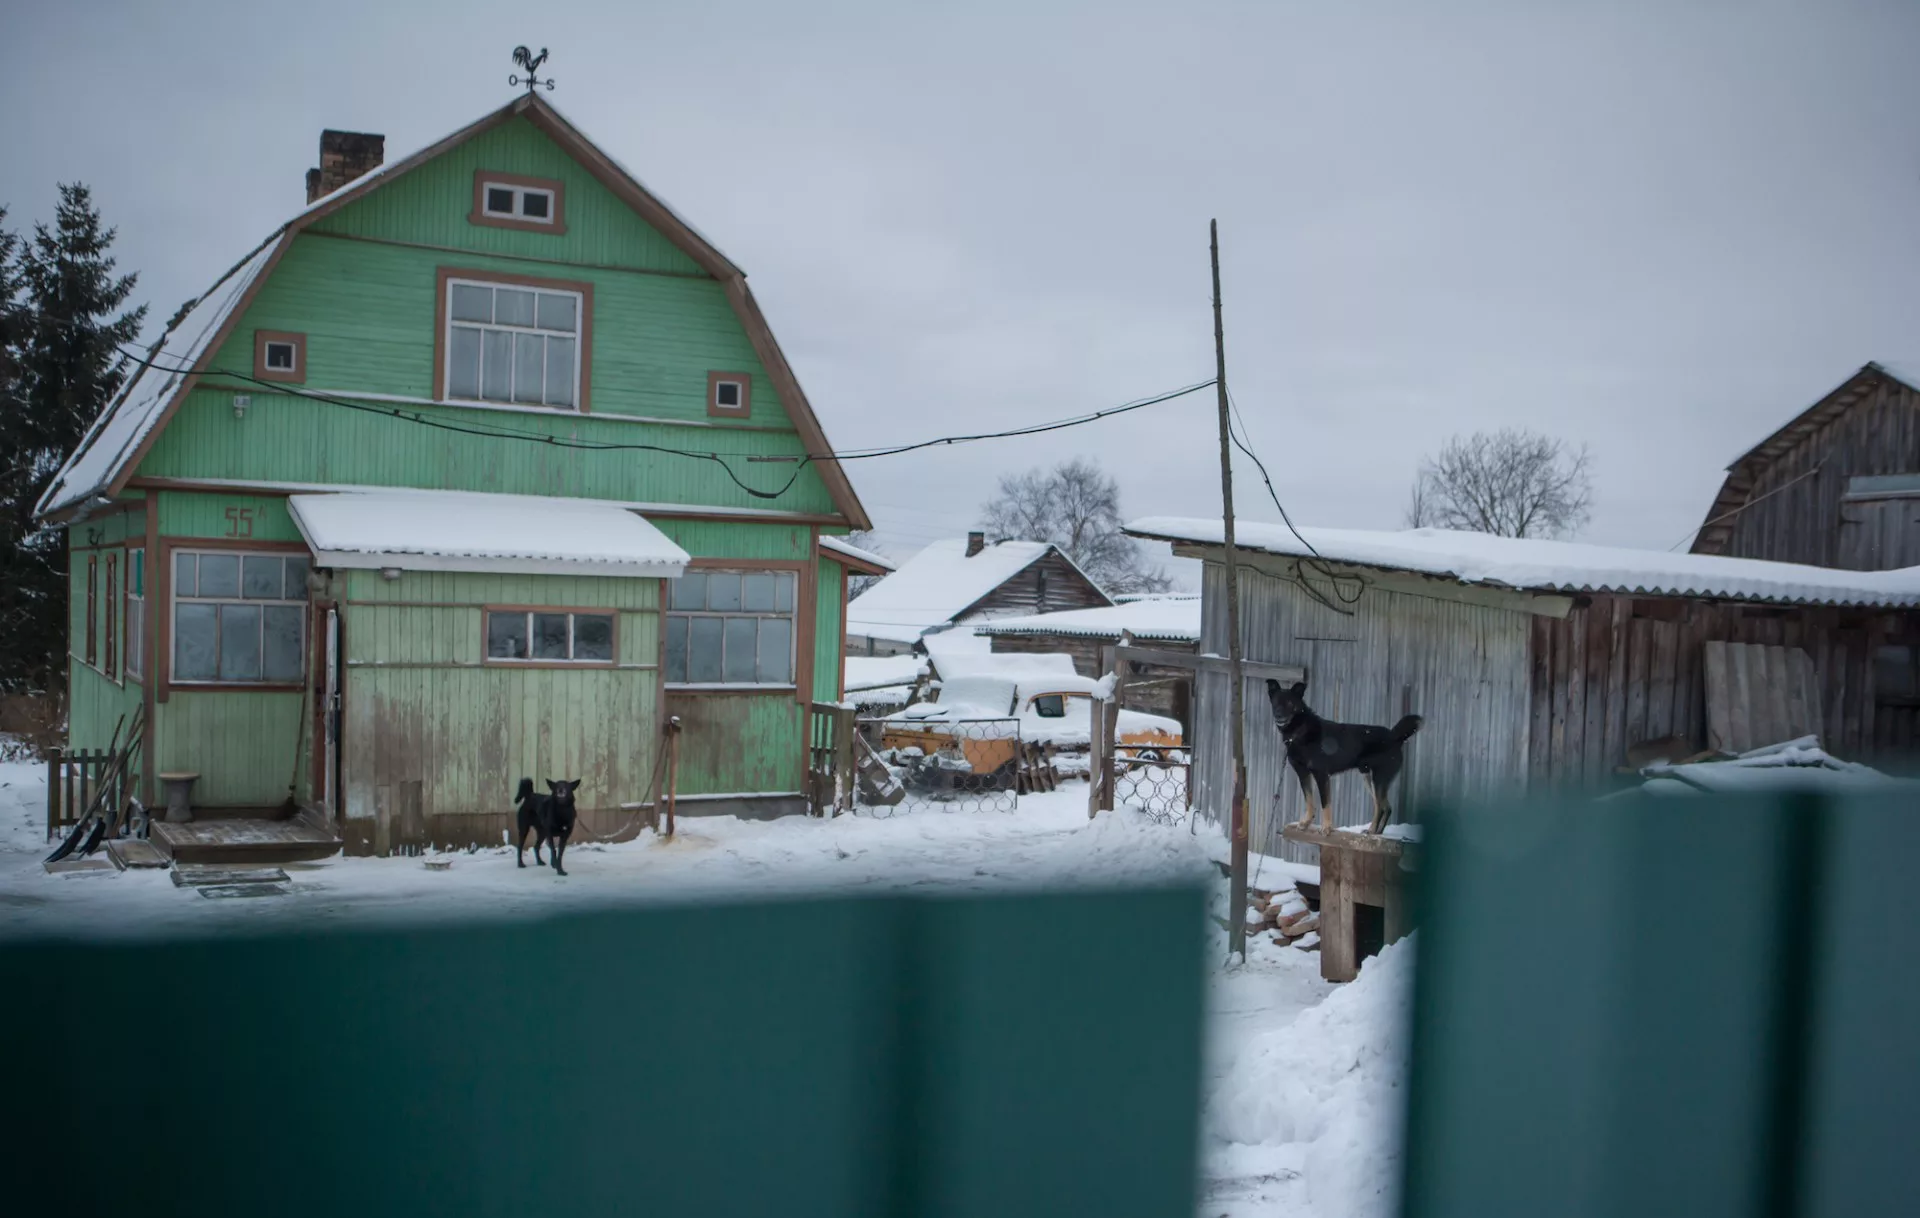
[435, 740]
[1618, 671]
[1463, 666]
[1050, 585]
[1793, 509]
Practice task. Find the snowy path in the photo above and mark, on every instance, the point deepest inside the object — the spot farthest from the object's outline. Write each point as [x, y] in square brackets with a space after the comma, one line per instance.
[1301, 1074]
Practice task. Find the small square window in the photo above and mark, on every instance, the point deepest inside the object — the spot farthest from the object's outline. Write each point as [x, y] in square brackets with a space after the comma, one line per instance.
[729, 395]
[535, 204]
[279, 356]
[499, 200]
[505, 200]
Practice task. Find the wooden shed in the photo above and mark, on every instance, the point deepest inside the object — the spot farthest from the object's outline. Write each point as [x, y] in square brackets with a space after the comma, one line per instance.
[962, 581]
[1838, 485]
[1169, 622]
[1536, 664]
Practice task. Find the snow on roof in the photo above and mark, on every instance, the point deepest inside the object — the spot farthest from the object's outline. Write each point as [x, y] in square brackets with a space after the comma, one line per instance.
[936, 586]
[1012, 665]
[840, 545]
[1175, 618]
[122, 427]
[876, 672]
[1556, 566]
[471, 531]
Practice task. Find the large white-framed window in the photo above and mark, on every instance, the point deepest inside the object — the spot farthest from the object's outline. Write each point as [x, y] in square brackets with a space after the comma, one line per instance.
[239, 617]
[513, 343]
[732, 628]
[549, 636]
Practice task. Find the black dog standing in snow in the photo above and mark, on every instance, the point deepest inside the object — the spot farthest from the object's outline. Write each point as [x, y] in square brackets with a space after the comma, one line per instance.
[1318, 749]
[549, 816]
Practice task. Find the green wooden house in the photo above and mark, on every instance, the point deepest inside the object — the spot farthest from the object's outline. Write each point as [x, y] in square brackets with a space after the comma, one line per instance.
[479, 467]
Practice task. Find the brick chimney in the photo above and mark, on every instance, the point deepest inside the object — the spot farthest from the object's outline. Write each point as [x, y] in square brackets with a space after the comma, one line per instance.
[344, 156]
[976, 542]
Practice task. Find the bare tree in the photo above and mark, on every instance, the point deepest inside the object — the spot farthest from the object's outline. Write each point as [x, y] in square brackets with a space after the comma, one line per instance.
[1511, 483]
[1075, 505]
[856, 581]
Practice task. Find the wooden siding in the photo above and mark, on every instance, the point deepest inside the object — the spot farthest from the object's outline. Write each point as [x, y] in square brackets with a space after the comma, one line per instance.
[1049, 585]
[248, 746]
[829, 630]
[435, 740]
[1880, 534]
[96, 703]
[1793, 510]
[430, 205]
[1462, 666]
[740, 743]
[1619, 671]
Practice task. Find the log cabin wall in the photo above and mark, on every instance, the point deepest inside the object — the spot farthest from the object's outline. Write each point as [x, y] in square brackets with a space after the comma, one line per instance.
[1621, 670]
[1047, 585]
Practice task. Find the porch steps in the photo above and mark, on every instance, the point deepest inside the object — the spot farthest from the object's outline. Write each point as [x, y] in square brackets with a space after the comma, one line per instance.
[224, 882]
[243, 841]
[133, 852]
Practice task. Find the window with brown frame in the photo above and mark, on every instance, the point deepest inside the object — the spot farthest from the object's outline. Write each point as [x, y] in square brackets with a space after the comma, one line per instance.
[239, 617]
[134, 649]
[549, 636]
[508, 200]
[280, 355]
[732, 628]
[93, 588]
[729, 395]
[513, 340]
[113, 616]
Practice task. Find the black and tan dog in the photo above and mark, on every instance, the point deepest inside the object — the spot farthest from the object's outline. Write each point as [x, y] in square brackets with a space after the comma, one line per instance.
[550, 816]
[1318, 749]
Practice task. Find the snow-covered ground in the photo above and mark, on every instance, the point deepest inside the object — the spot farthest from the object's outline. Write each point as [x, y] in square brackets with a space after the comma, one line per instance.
[1303, 1077]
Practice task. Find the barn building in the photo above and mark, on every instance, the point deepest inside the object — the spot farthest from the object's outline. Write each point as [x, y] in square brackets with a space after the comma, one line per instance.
[1537, 664]
[962, 581]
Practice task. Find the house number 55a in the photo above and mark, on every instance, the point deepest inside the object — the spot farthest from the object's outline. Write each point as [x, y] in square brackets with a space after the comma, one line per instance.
[239, 522]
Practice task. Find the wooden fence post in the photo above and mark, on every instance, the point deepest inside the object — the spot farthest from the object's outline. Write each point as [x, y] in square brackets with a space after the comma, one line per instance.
[55, 762]
[844, 726]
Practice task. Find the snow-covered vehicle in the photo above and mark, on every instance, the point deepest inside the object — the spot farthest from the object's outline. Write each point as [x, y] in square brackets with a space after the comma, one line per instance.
[978, 724]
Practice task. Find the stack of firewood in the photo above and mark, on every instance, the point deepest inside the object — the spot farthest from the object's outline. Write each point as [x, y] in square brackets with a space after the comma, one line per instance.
[1285, 913]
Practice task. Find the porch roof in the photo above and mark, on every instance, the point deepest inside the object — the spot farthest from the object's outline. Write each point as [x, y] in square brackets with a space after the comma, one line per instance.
[470, 531]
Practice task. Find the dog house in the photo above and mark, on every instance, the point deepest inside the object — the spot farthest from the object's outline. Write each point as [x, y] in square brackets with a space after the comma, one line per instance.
[1364, 899]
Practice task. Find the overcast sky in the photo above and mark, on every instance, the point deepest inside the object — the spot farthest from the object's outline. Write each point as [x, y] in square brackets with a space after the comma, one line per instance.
[1658, 229]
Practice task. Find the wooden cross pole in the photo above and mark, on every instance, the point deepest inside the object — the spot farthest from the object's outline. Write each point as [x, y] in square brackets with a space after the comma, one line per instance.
[1237, 883]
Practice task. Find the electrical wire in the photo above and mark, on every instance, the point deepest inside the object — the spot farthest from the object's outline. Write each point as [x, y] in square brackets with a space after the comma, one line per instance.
[501, 432]
[1318, 564]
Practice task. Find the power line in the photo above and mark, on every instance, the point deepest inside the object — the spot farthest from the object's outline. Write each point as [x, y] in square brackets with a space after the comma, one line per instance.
[499, 432]
[1318, 563]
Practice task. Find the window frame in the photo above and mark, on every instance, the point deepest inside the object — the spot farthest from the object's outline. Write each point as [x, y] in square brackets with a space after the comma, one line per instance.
[572, 611]
[520, 184]
[109, 657]
[297, 375]
[134, 614]
[170, 549]
[715, 409]
[800, 636]
[447, 276]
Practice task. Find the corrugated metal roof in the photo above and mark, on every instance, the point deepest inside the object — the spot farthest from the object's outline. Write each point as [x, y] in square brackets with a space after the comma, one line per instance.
[1528, 564]
[1175, 618]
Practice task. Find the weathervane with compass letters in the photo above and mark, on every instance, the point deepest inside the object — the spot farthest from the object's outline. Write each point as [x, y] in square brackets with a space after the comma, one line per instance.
[530, 64]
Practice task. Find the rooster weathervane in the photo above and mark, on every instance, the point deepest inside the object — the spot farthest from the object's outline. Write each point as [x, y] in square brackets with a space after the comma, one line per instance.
[530, 64]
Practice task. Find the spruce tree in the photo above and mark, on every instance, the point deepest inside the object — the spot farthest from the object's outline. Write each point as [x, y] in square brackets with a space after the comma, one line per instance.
[65, 339]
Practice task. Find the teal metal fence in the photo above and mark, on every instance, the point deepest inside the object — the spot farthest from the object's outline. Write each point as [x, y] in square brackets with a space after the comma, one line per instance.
[1677, 1006]
[991, 1055]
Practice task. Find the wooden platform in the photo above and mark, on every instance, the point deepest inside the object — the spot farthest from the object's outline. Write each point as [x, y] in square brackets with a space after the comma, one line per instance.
[243, 841]
[1363, 895]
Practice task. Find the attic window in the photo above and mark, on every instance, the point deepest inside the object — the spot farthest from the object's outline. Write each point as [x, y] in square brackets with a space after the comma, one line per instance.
[729, 395]
[504, 200]
[279, 356]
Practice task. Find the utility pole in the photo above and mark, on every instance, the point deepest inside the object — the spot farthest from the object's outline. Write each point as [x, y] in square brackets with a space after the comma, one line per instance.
[1237, 885]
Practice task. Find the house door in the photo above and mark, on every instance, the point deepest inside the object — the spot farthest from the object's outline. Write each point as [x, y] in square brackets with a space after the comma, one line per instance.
[327, 711]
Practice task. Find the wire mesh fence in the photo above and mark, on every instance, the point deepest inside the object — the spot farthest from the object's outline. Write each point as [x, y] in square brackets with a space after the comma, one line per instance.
[1155, 783]
[955, 765]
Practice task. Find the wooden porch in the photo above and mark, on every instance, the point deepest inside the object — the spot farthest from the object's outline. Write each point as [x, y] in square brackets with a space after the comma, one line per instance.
[244, 840]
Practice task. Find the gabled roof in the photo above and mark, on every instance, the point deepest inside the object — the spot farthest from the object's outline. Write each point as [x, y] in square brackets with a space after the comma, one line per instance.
[1531, 565]
[1745, 471]
[848, 555]
[114, 446]
[939, 585]
[1166, 618]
